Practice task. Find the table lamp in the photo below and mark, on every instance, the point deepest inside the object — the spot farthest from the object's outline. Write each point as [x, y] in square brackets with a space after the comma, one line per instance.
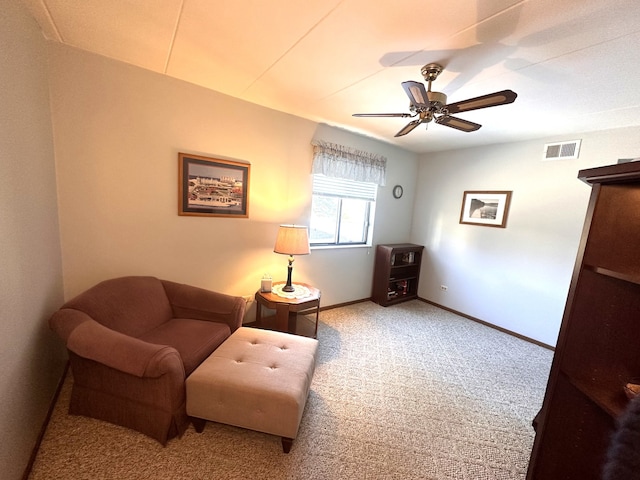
[292, 240]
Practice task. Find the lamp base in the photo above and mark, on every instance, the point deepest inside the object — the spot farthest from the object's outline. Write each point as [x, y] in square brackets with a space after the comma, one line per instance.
[288, 287]
[299, 291]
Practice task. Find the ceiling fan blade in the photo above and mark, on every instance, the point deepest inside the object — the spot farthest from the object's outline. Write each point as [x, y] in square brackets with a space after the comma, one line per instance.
[408, 127]
[382, 115]
[458, 123]
[491, 100]
[416, 93]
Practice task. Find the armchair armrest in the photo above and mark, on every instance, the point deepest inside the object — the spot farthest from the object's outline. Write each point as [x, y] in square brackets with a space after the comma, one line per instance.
[89, 339]
[197, 303]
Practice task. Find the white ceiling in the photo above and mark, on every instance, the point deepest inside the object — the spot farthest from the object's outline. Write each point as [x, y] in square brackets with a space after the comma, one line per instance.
[573, 63]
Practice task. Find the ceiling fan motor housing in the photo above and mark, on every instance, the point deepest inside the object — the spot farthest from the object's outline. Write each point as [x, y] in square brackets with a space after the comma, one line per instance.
[437, 99]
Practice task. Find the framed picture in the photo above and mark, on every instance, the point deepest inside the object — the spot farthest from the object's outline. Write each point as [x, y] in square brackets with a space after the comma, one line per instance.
[488, 208]
[213, 187]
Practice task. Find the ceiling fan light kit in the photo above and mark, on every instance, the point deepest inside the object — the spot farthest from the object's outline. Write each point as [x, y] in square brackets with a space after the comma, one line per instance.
[428, 105]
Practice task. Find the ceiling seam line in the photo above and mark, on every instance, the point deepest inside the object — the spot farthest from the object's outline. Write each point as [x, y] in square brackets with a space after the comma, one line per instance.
[351, 85]
[484, 20]
[53, 23]
[173, 38]
[293, 46]
[475, 25]
[517, 5]
[571, 52]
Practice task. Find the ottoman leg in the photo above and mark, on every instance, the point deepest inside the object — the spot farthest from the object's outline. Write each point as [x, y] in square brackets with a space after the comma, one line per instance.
[198, 424]
[286, 444]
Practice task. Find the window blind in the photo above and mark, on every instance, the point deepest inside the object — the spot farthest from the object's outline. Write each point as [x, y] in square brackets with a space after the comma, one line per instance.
[340, 187]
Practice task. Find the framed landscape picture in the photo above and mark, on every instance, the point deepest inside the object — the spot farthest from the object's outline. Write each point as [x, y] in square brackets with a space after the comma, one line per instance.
[488, 208]
[212, 187]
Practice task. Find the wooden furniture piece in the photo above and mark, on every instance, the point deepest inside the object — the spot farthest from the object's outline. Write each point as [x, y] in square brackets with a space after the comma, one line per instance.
[598, 349]
[396, 273]
[287, 310]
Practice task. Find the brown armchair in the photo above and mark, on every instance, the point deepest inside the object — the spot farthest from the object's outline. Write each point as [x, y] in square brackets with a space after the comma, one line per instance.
[132, 342]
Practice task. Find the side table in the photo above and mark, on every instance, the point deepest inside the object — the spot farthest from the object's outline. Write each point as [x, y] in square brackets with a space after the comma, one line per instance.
[287, 310]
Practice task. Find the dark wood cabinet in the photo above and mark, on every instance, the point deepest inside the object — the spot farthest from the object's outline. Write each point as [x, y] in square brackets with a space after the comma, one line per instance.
[396, 273]
[598, 349]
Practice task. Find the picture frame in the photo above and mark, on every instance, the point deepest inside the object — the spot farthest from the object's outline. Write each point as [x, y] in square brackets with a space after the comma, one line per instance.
[212, 187]
[486, 208]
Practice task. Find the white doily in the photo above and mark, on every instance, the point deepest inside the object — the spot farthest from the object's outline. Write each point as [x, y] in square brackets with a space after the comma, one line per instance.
[298, 292]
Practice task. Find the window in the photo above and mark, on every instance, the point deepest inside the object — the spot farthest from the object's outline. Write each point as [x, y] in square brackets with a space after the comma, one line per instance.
[345, 184]
[342, 211]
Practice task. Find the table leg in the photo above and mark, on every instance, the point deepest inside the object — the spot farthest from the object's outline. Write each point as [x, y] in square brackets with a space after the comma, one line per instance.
[258, 314]
[282, 317]
[293, 322]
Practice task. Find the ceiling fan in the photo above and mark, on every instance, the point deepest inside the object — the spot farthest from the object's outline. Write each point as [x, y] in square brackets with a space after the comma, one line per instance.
[428, 105]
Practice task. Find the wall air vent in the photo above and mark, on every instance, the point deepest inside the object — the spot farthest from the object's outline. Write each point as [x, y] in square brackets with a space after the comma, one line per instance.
[562, 151]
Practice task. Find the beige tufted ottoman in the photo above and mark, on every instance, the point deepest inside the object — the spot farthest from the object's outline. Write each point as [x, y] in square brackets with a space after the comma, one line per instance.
[257, 379]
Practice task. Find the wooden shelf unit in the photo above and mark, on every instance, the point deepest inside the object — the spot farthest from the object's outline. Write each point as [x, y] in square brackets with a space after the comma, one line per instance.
[396, 273]
[597, 351]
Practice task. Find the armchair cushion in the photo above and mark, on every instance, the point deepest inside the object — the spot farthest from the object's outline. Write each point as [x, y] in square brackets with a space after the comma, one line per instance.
[193, 339]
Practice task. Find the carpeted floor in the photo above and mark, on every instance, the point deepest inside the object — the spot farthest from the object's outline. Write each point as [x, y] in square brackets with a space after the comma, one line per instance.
[405, 392]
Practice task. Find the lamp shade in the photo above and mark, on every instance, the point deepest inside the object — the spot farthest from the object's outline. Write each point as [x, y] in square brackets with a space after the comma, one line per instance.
[292, 240]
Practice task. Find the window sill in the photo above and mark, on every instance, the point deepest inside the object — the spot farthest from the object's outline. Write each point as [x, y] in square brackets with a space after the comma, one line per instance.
[335, 247]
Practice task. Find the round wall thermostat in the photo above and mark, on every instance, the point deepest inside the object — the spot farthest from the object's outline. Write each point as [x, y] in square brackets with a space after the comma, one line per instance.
[397, 191]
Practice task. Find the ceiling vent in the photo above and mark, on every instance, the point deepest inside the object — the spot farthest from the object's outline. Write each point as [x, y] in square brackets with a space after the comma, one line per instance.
[562, 151]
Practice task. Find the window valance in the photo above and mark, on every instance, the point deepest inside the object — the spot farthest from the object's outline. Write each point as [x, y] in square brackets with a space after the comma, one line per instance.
[335, 160]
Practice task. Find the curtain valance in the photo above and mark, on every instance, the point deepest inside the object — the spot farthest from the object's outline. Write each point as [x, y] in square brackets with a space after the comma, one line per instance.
[335, 160]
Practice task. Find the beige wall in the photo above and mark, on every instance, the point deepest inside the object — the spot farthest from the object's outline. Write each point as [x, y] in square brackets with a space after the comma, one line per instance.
[31, 358]
[118, 131]
[518, 277]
